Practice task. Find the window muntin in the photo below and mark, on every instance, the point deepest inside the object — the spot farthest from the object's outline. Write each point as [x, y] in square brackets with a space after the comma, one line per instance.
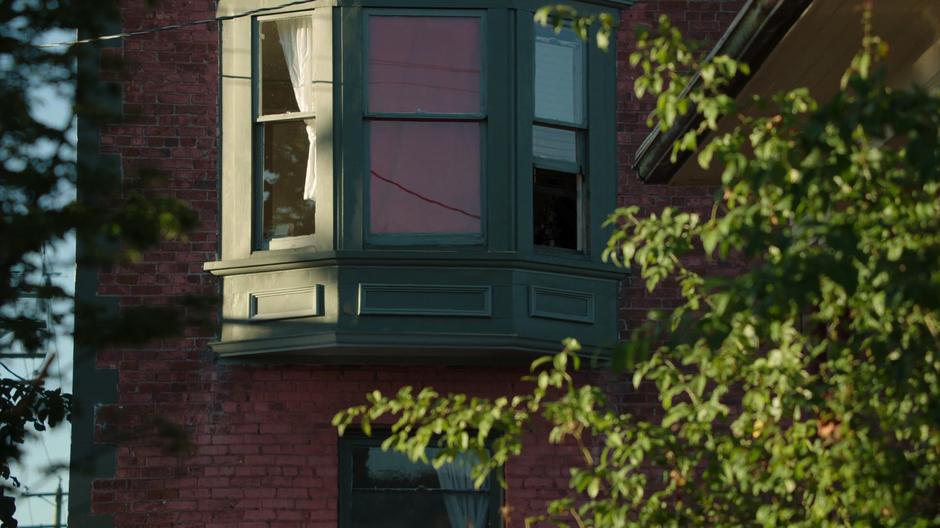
[424, 77]
[558, 134]
[285, 176]
[381, 482]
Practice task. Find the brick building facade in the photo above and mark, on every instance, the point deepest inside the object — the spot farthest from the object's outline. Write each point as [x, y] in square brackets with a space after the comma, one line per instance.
[259, 449]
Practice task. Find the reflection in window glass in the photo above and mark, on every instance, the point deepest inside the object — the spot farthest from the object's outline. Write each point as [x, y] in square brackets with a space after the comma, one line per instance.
[555, 208]
[277, 92]
[424, 177]
[555, 144]
[383, 482]
[285, 212]
[559, 75]
[424, 64]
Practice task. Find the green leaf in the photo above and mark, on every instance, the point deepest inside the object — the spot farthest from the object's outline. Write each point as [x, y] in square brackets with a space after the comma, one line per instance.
[710, 239]
[593, 487]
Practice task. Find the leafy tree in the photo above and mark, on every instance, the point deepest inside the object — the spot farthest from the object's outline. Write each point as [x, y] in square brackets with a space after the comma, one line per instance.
[38, 210]
[805, 391]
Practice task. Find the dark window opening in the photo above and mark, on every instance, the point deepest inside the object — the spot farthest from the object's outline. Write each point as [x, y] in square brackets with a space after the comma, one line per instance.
[555, 208]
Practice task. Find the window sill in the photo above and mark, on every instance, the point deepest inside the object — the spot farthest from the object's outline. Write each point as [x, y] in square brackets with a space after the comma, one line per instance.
[567, 262]
[333, 348]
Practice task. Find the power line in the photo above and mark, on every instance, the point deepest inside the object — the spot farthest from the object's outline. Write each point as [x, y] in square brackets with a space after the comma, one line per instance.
[423, 197]
[29, 505]
[47, 282]
[15, 375]
[169, 27]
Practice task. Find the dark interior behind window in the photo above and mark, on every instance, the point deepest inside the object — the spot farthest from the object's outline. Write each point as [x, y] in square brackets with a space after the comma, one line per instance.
[555, 208]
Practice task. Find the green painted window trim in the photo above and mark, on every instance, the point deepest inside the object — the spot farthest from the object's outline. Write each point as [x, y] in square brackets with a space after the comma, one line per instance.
[403, 291]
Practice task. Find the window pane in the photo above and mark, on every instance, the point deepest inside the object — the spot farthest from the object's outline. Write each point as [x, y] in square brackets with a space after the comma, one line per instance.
[285, 212]
[555, 208]
[559, 75]
[285, 45]
[555, 143]
[424, 64]
[425, 177]
[375, 468]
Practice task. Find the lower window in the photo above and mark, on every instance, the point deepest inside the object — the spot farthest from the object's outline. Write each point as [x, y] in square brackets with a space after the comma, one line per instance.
[384, 489]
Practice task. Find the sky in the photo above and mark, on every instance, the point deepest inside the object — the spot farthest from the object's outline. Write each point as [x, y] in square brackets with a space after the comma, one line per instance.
[51, 448]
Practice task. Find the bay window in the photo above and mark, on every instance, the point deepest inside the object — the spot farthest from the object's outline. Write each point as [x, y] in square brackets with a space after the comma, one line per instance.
[422, 181]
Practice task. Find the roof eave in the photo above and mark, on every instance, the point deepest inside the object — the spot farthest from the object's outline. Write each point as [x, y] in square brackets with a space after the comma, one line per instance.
[753, 34]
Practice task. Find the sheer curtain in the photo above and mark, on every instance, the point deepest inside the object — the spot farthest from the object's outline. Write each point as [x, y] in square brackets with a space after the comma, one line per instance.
[465, 510]
[297, 42]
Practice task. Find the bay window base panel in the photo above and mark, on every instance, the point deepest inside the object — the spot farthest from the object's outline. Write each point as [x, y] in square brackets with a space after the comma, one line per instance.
[414, 314]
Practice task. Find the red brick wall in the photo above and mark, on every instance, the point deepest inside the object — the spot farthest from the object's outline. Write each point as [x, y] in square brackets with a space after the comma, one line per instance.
[704, 21]
[259, 450]
[263, 453]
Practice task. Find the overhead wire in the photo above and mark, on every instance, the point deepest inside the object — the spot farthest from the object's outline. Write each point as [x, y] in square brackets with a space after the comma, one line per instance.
[45, 306]
[423, 197]
[11, 371]
[168, 27]
[54, 345]
[29, 506]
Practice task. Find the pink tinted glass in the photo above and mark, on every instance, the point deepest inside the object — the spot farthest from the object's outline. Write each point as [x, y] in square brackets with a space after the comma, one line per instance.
[424, 64]
[424, 177]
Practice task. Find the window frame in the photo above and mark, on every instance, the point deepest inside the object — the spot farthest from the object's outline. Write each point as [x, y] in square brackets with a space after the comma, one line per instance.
[261, 120]
[577, 169]
[356, 438]
[241, 157]
[596, 144]
[369, 117]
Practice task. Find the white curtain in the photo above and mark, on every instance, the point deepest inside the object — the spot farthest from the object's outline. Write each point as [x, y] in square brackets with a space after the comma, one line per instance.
[465, 510]
[297, 42]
